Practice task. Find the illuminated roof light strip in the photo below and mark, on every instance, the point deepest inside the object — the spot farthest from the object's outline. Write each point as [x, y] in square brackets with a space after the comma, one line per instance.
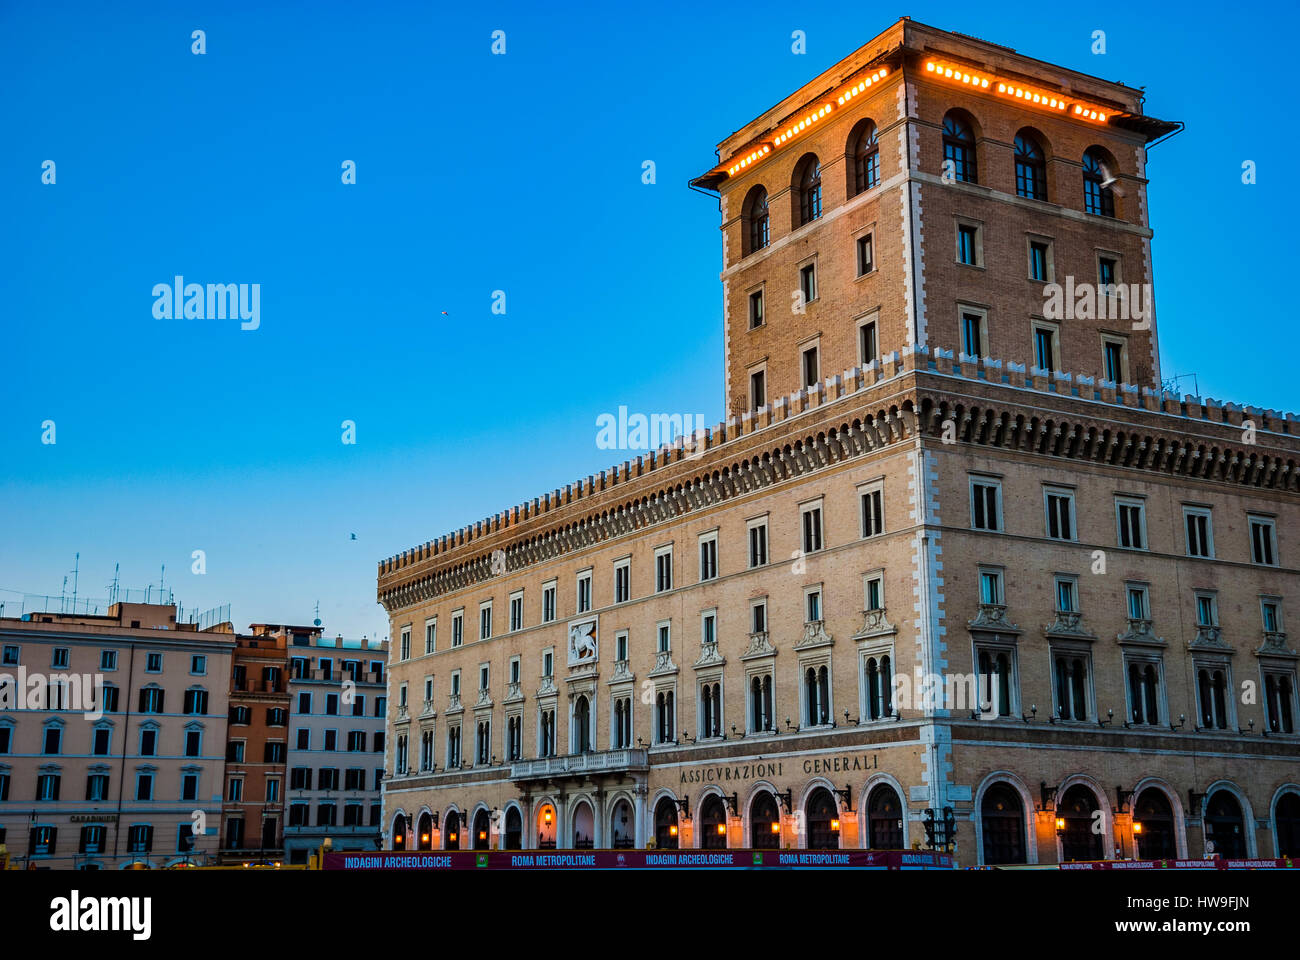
[853, 91]
[802, 125]
[949, 72]
[756, 155]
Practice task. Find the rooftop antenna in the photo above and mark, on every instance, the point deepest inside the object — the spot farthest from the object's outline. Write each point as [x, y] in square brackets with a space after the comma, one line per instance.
[1171, 385]
[112, 590]
[162, 579]
[76, 577]
[316, 622]
[63, 595]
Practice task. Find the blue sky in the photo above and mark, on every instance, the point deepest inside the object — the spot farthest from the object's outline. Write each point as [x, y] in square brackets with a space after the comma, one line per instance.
[475, 173]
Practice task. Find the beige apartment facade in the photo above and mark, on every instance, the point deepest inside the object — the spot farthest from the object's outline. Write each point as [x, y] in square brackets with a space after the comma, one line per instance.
[953, 562]
[124, 756]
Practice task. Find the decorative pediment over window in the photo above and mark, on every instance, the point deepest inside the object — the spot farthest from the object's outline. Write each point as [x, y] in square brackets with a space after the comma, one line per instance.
[663, 664]
[1068, 625]
[709, 656]
[874, 624]
[1275, 645]
[814, 635]
[1140, 632]
[760, 645]
[992, 618]
[1209, 638]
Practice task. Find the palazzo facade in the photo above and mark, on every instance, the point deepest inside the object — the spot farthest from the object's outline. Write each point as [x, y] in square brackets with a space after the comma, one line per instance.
[955, 566]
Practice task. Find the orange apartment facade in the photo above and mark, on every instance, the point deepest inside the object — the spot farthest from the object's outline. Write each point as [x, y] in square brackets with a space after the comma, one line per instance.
[257, 749]
[955, 563]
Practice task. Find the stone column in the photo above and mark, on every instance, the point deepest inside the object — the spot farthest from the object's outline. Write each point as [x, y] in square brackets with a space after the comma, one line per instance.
[639, 814]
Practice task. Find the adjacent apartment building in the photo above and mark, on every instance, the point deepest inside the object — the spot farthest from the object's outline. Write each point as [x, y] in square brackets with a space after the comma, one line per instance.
[112, 738]
[256, 755]
[338, 714]
[954, 568]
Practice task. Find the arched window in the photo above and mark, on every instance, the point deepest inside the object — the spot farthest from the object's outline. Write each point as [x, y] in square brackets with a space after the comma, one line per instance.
[760, 703]
[451, 832]
[995, 682]
[1225, 826]
[514, 838]
[884, 819]
[756, 220]
[823, 821]
[808, 185]
[1031, 167]
[666, 824]
[582, 725]
[622, 827]
[1142, 693]
[546, 827]
[584, 827]
[399, 832]
[1287, 820]
[713, 824]
[1079, 841]
[482, 838]
[1098, 198]
[866, 158]
[817, 694]
[424, 837]
[764, 822]
[959, 148]
[879, 681]
[1153, 826]
[1002, 822]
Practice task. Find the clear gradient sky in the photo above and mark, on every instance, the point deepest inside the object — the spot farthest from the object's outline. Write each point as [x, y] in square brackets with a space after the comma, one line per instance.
[475, 173]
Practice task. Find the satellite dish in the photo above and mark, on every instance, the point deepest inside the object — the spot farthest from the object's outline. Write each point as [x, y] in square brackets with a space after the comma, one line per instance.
[316, 622]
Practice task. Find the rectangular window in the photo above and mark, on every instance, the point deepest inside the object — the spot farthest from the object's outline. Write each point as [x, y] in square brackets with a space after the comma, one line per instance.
[1130, 515]
[709, 628]
[1269, 616]
[873, 511]
[813, 605]
[991, 586]
[708, 556]
[548, 664]
[810, 367]
[1039, 261]
[808, 282]
[11, 654]
[1138, 605]
[431, 635]
[1114, 359]
[968, 245]
[868, 347]
[663, 569]
[406, 643]
[622, 581]
[1263, 541]
[811, 517]
[1045, 348]
[665, 637]
[458, 628]
[866, 255]
[548, 602]
[485, 620]
[757, 390]
[986, 504]
[584, 591]
[1107, 272]
[517, 612]
[757, 543]
[108, 660]
[1066, 595]
[756, 309]
[1200, 534]
[1060, 513]
[972, 334]
[1207, 611]
[758, 616]
[153, 663]
[875, 593]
